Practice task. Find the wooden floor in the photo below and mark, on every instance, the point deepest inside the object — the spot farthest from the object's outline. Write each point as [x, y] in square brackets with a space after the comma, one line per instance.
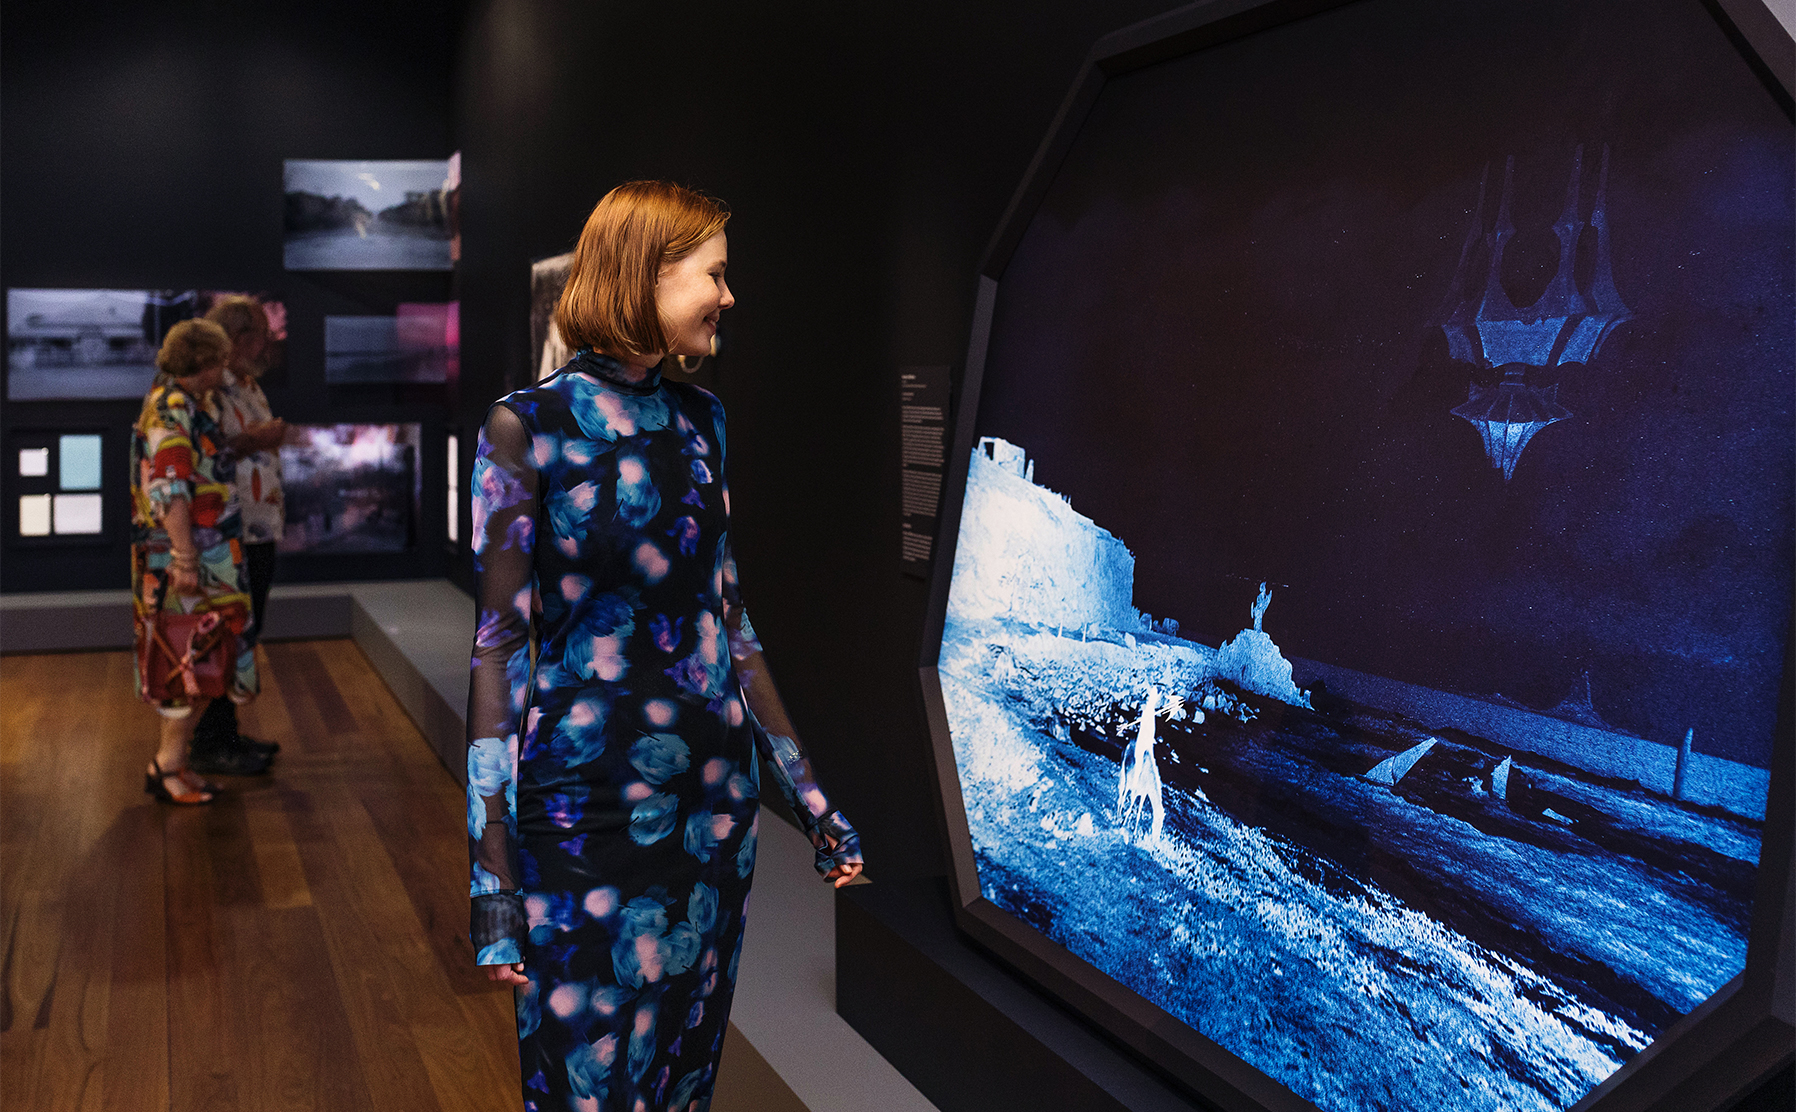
[298, 944]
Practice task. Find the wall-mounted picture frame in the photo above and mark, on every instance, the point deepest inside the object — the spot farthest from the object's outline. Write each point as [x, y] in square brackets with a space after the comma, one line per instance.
[453, 494]
[101, 344]
[419, 344]
[56, 489]
[1354, 684]
[389, 214]
[548, 277]
[351, 488]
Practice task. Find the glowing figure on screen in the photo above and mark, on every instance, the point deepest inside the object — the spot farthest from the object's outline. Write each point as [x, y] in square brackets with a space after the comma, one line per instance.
[1138, 806]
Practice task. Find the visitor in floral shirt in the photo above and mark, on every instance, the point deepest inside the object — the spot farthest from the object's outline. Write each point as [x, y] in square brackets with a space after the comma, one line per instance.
[253, 436]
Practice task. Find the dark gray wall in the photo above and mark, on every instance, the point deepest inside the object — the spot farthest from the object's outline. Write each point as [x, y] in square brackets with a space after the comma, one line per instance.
[141, 148]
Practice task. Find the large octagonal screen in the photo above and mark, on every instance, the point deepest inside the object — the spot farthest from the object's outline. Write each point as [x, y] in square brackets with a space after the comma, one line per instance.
[1369, 602]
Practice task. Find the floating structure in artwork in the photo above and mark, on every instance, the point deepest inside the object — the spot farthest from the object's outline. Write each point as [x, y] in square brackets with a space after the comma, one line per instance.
[1565, 324]
[1508, 415]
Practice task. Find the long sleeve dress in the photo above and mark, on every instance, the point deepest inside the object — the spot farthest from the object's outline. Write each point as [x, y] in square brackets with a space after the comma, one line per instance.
[617, 702]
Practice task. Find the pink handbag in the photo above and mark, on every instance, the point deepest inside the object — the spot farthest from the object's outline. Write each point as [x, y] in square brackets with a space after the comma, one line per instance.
[188, 656]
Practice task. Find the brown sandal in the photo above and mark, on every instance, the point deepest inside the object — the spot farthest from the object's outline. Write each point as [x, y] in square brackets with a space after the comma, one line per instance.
[195, 790]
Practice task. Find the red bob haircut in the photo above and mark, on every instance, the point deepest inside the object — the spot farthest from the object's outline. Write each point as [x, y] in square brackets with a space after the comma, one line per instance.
[638, 228]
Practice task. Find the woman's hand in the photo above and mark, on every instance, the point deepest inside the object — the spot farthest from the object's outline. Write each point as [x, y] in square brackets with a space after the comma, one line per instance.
[841, 874]
[512, 974]
[269, 434]
[184, 573]
[262, 436]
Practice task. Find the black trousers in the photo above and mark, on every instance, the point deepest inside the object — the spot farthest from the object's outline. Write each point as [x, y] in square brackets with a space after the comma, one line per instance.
[218, 725]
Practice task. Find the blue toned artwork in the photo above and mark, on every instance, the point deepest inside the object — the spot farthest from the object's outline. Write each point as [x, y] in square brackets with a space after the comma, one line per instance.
[1415, 765]
[1580, 887]
[1565, 325]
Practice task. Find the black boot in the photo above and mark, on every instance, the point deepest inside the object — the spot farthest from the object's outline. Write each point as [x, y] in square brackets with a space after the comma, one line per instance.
[257, 745]
[218, 760]
[218, 749]
[219, 728]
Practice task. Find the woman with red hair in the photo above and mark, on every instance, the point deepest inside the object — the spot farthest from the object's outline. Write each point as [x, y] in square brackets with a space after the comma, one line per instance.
[612, 773]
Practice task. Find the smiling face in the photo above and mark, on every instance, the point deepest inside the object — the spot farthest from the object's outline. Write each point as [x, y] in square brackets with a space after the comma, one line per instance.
[691, 294]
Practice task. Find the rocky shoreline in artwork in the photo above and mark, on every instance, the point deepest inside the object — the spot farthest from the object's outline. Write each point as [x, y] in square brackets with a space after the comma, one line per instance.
[1378, 909]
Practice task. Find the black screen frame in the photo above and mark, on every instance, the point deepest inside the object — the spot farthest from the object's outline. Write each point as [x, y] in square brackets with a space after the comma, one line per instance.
[1719, 1052]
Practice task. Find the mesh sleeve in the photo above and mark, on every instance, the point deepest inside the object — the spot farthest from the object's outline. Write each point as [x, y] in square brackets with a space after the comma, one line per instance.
[503, 502]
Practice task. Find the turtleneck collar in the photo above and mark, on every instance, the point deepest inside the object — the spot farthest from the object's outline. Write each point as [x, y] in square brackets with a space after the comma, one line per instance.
[612, 372]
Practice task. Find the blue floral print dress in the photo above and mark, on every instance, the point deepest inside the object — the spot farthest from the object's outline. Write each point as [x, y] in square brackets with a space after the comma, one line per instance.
[617, 703]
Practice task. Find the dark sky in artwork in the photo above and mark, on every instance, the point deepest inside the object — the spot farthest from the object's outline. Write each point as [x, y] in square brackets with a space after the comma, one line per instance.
[1220, 338]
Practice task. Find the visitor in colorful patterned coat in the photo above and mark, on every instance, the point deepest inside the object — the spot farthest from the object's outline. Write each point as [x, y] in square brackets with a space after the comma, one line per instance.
[253, 436]
[613, 784]
[185, 553]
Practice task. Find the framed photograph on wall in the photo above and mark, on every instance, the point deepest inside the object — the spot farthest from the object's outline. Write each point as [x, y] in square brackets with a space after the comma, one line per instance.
[420, 343]
[548, 277]
[1359, 673]
[351, 488]
[453, 495]
[71, 344]
[370, 215]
